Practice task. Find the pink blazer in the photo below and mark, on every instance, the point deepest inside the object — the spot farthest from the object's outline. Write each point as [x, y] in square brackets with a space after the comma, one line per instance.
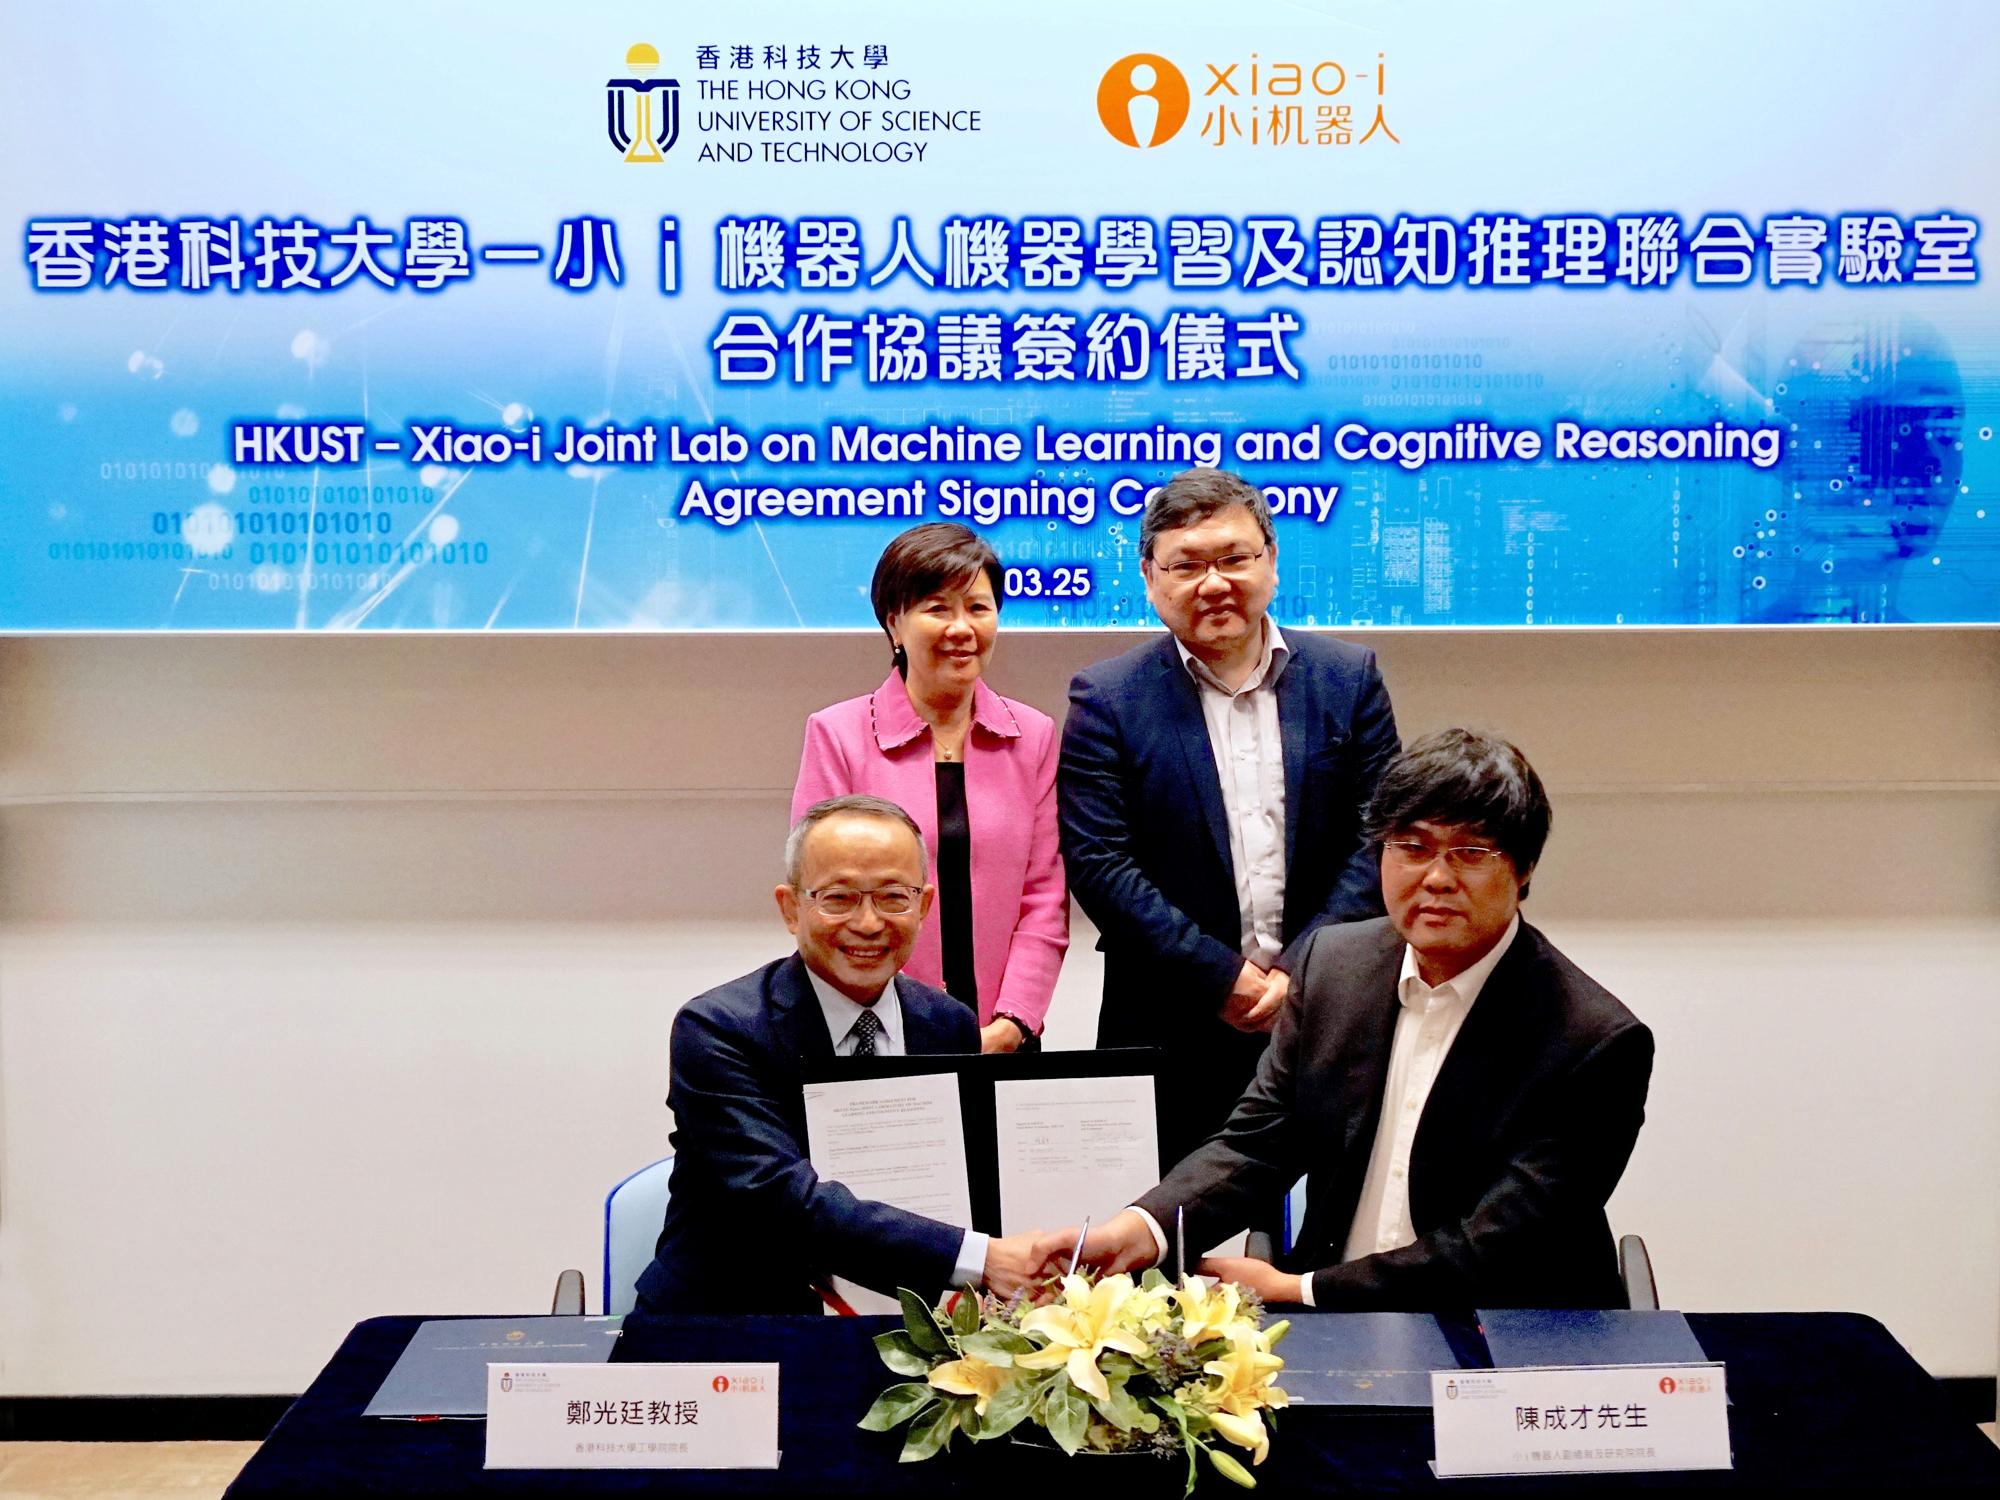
[1020, 903]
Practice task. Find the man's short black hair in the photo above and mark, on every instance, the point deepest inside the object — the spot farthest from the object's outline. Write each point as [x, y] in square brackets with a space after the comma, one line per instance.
[1467, 777]
[1193, 495]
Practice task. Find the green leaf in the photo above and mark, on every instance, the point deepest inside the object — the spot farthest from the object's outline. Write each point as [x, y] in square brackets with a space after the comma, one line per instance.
[932, 1431]
[1068, 1415]
[1119, 1409]
[897, 1405]
[997, 1346]
[1153, 1280]
[921, 1323]
[965, 1313]
[1118, 1366]
[899, 1353]
[1226, 1465]
[1006, 1411]
[1178, 1412]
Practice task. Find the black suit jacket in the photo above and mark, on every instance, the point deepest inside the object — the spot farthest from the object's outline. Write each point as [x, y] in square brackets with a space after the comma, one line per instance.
[1146, 845]
[750, 1226]
[1525, 1133]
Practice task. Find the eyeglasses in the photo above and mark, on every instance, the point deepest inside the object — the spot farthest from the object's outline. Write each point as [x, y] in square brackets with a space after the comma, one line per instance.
[1417, 854]
[1235, 567]
[889, 901]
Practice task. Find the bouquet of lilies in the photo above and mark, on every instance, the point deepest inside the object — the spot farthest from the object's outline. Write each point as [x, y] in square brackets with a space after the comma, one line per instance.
[1108, 1365]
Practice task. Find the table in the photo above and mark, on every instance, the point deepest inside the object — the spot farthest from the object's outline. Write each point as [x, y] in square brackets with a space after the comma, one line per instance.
[1819, 1399]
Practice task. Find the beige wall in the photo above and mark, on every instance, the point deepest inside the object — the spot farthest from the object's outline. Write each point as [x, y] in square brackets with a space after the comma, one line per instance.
[335, 974]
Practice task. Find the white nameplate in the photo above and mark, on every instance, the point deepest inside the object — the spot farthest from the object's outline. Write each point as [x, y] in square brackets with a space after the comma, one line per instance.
[707, 1416]
[1580, 1419]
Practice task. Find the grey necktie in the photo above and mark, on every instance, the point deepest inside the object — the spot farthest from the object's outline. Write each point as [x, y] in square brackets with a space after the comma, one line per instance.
[866, 1029]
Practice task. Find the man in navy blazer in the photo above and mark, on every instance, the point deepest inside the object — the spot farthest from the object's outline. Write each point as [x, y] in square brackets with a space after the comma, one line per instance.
[1211, 793]
[750, 1226]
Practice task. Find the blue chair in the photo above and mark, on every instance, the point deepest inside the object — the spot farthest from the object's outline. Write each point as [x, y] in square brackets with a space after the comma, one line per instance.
[1295, 1213]
[1259, 1244]
[633, 1213]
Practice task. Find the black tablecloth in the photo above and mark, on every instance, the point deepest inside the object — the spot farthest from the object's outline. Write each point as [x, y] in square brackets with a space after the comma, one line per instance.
[1818, 1400]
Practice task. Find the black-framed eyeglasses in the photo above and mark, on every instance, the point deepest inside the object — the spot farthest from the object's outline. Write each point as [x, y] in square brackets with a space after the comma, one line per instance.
[888, 900]
[1234, 566]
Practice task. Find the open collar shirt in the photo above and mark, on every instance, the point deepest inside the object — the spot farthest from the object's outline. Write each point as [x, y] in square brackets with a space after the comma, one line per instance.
[1248, 745]
[1428, 1020]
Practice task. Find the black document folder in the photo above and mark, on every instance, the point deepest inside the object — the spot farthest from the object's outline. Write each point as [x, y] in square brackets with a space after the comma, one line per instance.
[977, 1073]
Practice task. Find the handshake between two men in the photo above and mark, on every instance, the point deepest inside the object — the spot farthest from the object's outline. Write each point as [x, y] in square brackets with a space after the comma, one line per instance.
[1460, 1098]
[1130, 1241]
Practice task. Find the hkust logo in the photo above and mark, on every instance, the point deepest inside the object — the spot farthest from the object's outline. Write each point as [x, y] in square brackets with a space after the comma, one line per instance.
[643, 113]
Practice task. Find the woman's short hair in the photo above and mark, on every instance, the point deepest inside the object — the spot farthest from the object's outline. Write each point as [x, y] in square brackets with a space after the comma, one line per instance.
[924, 559]
[1193, 495]
[1467, 777]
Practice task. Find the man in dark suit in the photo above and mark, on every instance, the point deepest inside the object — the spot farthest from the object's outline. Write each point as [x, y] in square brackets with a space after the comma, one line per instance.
[1461, 1098]
[1211, 793]
[750, 1226]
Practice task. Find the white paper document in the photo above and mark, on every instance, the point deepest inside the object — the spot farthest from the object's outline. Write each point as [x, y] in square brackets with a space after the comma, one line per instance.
[1073, 1148]
[899, 1141]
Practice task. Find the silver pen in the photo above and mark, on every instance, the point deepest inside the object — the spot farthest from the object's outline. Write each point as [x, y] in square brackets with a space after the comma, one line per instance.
[1077, 1254]
[1180, 1244]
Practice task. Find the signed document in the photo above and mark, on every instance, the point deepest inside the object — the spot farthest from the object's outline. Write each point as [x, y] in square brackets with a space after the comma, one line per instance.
[1073, 1148]
[899, 1141]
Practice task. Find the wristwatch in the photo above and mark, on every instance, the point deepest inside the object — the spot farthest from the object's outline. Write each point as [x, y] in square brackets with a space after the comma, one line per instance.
[1030, 1042]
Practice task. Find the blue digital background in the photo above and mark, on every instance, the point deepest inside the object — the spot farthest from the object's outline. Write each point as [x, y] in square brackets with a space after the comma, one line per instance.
[118, 405]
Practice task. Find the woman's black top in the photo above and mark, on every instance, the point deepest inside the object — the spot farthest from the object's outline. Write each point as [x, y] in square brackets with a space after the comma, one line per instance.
[954, 880]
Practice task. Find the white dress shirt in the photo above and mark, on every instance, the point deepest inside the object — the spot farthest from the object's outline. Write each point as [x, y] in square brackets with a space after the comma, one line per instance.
[1427, 1024]
[841, 1013]
[1249, 750]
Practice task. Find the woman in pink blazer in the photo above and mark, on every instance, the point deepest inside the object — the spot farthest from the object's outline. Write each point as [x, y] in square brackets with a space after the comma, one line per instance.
[977, 771]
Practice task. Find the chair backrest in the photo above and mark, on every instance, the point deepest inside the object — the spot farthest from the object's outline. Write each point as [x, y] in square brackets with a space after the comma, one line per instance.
[633, 1213]
[1635, 1269]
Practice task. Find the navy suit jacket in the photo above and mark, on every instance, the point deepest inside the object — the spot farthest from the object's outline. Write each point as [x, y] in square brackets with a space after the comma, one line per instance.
[1526, 1130]
[1146, 845]
[750, 1225]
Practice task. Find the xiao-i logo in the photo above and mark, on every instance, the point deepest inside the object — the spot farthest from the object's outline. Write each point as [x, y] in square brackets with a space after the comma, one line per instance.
[1143, 100]
[642, 113]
